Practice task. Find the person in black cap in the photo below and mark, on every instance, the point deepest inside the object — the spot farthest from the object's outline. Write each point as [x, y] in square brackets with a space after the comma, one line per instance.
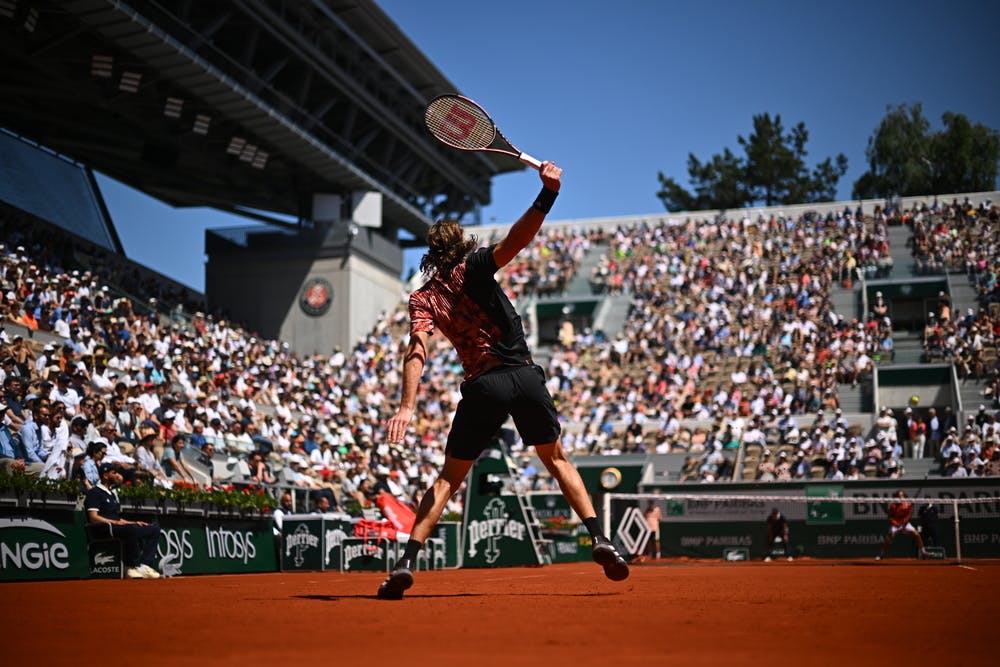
[777, 536]
[104, 517]
[928, 514]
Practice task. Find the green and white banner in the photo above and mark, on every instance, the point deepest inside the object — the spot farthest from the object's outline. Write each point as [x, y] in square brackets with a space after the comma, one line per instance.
[820, 526]
[215, 546]
[47, 544]
[495, 528]
[314, 541]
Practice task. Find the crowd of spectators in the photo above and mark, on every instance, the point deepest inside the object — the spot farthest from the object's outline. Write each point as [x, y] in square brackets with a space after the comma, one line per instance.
[829, 447]
[704, 294]
[973, 450]
[731, 343]
[546, 267]
[730, 321]
[962, 239]
[200, 401]
[956, 236]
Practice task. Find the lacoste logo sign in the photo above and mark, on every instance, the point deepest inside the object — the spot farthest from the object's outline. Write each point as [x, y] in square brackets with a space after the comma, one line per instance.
[104, 559]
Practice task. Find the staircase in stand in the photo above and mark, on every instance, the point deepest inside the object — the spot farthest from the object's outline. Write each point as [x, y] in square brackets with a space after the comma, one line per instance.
[909, 347]
[902, 256]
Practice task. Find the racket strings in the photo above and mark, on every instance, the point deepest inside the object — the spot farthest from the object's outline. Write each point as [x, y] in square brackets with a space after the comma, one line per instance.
[460, 124]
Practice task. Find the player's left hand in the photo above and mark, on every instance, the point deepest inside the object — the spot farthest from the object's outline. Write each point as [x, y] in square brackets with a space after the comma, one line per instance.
[396, 426]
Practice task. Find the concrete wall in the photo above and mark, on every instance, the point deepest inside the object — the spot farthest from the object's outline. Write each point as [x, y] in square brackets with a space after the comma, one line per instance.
[930, 395]
[373, 292]
[361, 293]
[261, 282]
[309, 334]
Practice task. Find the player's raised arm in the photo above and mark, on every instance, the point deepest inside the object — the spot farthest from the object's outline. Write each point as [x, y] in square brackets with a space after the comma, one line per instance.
[522, 231]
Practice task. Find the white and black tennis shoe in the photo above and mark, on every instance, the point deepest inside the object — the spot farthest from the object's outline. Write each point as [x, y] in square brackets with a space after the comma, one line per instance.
[397, 582]
[606, 555]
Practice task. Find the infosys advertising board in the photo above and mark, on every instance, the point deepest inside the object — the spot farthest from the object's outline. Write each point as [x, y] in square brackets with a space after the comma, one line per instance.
[200, 546]
[53, 545]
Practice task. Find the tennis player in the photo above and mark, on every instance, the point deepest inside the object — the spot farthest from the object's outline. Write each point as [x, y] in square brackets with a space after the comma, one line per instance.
[900, 513]
[463, 301]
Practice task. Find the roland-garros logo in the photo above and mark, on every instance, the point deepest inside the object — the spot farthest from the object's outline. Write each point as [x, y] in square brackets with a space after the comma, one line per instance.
[316, 297]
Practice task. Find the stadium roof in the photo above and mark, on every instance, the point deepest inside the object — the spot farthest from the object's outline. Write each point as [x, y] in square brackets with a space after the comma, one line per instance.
[248, 105]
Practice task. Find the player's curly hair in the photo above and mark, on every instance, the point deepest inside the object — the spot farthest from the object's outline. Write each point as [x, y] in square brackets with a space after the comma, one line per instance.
[447, 245]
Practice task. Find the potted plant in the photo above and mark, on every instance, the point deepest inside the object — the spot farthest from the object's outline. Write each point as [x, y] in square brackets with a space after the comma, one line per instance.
[558, 526]
[144, 497]
[20, 489]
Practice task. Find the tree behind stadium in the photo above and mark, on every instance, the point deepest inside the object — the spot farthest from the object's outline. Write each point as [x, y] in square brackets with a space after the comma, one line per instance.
[773, 171]
[905, 158]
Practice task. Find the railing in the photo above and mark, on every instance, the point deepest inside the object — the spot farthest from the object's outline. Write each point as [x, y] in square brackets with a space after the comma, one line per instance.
[956, 387]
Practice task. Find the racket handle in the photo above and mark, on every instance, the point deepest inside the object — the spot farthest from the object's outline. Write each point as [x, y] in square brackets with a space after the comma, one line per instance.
[530, 161]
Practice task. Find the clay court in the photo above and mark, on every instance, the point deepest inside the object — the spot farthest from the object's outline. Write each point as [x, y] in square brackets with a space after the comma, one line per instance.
[668, 612]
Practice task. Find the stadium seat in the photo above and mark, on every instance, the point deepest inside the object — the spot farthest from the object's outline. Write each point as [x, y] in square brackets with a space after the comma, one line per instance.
[201, 473]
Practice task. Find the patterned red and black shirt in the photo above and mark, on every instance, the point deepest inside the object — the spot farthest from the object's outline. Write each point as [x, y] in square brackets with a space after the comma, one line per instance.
[900, 513]
[468, 306]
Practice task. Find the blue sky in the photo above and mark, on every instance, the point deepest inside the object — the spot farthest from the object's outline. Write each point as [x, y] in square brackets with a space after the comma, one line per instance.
[616, 92]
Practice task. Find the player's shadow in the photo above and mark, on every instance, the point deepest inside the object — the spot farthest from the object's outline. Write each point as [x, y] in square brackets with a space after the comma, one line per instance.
[334, 598]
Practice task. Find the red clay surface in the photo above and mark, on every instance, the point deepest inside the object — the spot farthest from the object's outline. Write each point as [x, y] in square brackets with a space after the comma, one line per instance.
[676, 613]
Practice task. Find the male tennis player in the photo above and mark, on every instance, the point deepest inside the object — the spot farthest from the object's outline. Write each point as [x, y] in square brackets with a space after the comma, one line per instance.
[463, 301]
[900, 513]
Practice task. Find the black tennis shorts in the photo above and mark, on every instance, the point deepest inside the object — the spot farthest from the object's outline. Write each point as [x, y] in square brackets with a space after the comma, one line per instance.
[518, 391]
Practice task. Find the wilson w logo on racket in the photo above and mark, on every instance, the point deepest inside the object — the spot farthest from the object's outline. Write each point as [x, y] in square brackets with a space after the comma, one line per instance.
[460, 123]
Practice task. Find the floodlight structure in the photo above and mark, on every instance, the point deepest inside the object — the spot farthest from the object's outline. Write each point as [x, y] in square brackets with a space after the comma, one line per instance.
[236, 145]
[129, 82]
[201, 124]
[248, 152]
[173, 107]
[101, 66]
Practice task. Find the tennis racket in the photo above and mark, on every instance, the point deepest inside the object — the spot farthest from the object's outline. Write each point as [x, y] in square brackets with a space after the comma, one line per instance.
[460, 123]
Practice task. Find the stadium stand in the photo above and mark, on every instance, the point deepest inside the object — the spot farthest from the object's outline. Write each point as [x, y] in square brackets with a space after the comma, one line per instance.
[728, 365]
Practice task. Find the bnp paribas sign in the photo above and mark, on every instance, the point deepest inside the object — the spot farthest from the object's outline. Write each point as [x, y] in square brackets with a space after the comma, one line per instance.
[50, 545]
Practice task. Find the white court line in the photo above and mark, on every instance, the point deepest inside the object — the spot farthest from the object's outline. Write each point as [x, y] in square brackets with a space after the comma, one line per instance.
[530, 576]
[967, 567]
